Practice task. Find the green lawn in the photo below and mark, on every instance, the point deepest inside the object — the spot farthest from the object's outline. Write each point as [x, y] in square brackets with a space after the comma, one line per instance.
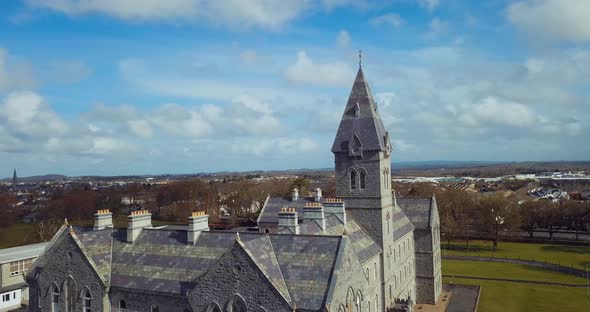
[576, 256]
[506, 296]
[15, 235]
[506, 270]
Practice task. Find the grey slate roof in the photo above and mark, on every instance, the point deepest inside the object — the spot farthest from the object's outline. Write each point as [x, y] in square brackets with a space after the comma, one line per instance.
[365, 247]
[418, 210]
[367, 126]
[299, 266]
[272, 207]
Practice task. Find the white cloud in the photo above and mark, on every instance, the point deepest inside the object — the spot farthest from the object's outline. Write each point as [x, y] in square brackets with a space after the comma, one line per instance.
[237, 14]
[343, 39]
[141, 128]
[26, 116]
[68, 72]
[391, 19]
[428, 4]
[274, 147]
[437, 28]
[29, 125]
[493, 111]
[555, 20]
[15, 75]
[305, 71]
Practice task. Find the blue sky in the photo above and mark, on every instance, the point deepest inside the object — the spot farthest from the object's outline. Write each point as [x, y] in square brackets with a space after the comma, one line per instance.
[179, 86]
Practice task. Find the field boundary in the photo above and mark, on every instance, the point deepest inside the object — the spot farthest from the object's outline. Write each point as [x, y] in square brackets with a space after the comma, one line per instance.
[537, 264]
[515, 280]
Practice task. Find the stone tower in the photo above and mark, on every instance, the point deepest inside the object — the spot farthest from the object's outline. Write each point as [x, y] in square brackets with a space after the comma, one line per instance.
[363, 170]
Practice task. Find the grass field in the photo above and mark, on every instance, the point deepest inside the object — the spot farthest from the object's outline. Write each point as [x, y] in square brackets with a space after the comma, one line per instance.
[506, 296]
[15, 235]
[576, 256]
[506, 270]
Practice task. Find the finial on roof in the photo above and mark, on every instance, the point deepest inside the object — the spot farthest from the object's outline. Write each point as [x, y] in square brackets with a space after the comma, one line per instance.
[66, 221]
[360, 58]
[71, 229]
[238, 237]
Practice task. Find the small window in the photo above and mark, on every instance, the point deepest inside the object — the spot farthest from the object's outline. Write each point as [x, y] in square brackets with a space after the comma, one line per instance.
[122, 305]
[353, 180]
[55, 298]
[87, 301]
[363, 176]
[155, 308]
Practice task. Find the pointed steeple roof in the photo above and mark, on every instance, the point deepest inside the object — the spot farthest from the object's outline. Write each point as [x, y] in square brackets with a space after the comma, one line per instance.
[360, 118]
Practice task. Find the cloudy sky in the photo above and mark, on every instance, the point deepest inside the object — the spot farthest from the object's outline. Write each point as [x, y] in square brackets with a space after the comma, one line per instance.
[178, 86]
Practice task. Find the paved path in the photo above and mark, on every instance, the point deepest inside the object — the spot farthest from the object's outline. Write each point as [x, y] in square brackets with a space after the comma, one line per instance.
[514, 280]
[465, 298]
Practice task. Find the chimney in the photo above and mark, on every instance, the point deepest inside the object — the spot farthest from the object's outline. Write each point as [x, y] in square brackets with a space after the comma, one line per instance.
[288, 218]
[137, 221]
[197, 223]
[315, 211]
[335, 206]
[103, 219]
[318, 195]
[295, 194]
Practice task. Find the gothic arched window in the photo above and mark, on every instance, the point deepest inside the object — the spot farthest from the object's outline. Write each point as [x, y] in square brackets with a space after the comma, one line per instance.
[86, 300]
[70, 288]
[352, 179]
[213, 307]
[363, 176]
[237, 304]
[55, 292]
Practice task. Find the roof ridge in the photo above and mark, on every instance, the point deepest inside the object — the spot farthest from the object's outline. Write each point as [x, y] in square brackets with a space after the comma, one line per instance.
[279, 266]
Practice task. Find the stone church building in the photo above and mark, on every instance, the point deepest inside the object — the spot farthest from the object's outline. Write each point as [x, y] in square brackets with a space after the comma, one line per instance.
[365, 250]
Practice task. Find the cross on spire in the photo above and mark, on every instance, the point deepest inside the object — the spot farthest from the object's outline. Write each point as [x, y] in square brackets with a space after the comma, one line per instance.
[360, 58]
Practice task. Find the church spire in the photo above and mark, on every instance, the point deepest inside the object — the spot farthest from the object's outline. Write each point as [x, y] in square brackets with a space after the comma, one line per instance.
[14, 181]
[361, 118]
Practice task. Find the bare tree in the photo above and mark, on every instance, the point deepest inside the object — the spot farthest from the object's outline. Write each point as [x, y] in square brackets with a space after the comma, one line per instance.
[45, 229]
[497, 213]
[456, 209]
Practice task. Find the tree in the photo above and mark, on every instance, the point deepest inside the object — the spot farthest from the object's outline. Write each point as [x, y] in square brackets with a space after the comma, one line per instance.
[45, 229]
[497, 213]
[456, 209]
[550, 217]
[530, 215]
[301, 183]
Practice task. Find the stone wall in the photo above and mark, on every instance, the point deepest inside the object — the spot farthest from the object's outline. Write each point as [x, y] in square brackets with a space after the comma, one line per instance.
[236, 275]
[66, 260]
[144, 301]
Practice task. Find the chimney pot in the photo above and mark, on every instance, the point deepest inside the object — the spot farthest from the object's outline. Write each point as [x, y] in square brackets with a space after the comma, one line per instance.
[103, 219]
[137, 221]
[197, 223]
[295, 194]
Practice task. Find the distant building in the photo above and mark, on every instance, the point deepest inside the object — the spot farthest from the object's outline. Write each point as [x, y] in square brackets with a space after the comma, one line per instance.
[14, 264]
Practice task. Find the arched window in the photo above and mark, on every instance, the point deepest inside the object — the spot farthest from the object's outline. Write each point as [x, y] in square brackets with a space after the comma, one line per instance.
[359, 301]
[213, 307]
[352, 179]
[70, 288]
[363, 176]
[369, 306]
[350, 300]
[237, 304]
[55, 292]
[122, 306]
[155, 308]
[86, 300]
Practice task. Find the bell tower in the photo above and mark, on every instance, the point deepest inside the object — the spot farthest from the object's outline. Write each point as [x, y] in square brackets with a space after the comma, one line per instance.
[362, 152]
